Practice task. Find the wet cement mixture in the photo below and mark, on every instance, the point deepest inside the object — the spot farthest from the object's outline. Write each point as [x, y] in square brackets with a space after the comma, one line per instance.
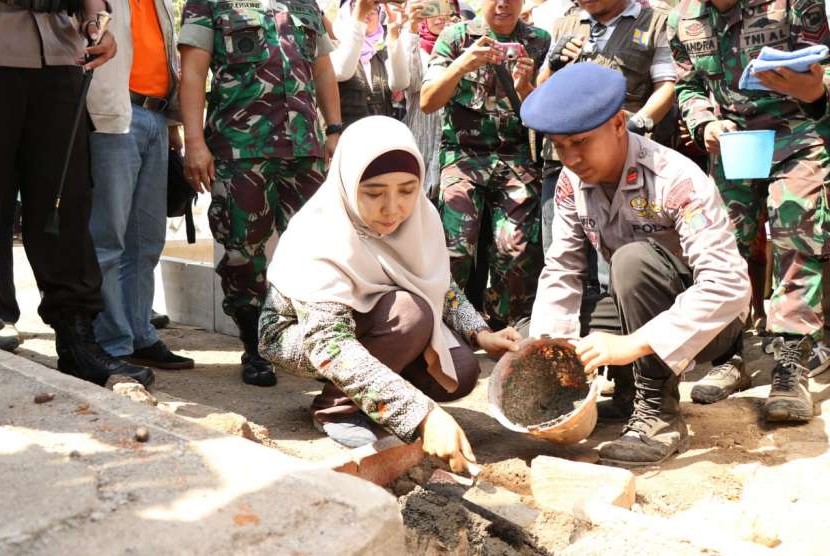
[543, 382]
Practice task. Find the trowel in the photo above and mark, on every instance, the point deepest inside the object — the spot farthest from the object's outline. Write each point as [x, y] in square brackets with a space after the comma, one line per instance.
[490, 501]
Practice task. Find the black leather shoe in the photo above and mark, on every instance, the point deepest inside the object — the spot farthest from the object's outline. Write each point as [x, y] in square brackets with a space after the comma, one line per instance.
[80, 355]
[159, 356]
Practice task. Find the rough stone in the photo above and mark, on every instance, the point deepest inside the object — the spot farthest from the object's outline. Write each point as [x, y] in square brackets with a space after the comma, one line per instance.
[558, 484]
[44, 397]
[134, 391]
[230, 423]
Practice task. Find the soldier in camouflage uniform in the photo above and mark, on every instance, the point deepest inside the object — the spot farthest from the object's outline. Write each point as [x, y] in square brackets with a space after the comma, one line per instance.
[712, 42]
[270, 66]
[485, 155]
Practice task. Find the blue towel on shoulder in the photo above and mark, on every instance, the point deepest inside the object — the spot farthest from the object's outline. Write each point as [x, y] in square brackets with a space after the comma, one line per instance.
[772, 58]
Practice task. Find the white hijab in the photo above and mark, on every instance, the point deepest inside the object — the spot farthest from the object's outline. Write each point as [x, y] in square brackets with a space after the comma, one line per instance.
[328, 254]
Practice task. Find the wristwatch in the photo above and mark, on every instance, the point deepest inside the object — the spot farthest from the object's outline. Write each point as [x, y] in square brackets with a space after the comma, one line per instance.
[640, 123]
[334, 129]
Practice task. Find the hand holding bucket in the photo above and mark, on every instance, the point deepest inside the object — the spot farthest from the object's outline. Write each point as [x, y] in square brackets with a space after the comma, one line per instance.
[747, 154]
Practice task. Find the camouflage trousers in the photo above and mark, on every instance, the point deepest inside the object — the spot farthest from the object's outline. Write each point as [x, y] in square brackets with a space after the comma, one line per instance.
[510, 191]
[250, 199]
[795, 198]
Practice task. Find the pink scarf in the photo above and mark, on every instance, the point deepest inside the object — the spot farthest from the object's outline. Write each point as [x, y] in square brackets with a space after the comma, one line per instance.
[427, 38]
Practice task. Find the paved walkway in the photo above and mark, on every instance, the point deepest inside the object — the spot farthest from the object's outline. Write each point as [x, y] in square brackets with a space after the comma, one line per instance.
[77, 481]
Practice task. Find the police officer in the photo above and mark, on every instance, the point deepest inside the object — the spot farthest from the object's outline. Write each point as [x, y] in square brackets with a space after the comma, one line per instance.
[485, 156]
[261, 152]
[679, 289]
[712, 43]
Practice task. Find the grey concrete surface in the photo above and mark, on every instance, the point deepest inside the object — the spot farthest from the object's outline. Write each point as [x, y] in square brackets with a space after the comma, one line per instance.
[75, 481]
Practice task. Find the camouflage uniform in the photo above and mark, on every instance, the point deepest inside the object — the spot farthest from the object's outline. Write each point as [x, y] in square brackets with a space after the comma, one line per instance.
[261, 126]
[710, 50]
[485, 160]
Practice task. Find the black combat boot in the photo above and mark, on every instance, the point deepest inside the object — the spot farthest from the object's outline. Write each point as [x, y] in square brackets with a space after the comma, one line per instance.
[789, 397]
[656, 429]
[621, 405]
[255, 370]
[80, 355]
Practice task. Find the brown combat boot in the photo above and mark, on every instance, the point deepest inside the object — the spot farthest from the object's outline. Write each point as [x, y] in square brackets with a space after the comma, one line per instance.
[721, 381]
[789, 397]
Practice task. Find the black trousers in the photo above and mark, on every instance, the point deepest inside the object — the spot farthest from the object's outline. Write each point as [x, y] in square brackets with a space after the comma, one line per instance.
[645, 280]
[9, 310]
[37, 107]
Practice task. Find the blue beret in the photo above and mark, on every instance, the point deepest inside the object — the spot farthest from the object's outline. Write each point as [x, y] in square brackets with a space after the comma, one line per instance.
[578, 98]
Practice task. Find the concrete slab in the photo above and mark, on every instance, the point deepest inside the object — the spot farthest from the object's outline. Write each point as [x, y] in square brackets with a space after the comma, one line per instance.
[76, 482]
[185, 291]
[559, 484]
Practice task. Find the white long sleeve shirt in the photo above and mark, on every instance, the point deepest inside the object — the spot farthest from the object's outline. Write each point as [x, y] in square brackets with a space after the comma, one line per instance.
[346, 56]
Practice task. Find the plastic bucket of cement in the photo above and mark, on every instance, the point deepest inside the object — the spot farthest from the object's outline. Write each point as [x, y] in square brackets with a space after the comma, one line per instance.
[747, 154]
[542, 390]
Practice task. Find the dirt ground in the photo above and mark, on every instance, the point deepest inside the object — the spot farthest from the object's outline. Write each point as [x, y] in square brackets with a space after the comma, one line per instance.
[740, 474]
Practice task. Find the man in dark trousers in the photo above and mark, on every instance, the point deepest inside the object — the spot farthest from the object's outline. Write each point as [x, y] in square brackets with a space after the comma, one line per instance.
[40, 49]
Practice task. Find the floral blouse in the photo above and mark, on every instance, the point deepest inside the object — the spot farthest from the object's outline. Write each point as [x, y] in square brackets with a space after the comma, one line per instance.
[318, 340]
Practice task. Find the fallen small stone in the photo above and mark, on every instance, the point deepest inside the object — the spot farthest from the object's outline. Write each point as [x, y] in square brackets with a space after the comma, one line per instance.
[44, 397]
[142, 434]
[74, 454]
[134, 391]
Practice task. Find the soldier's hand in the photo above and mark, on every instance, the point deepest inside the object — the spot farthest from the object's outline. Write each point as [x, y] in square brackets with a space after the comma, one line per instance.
[564, 51]
[712, 133]
[101, 52]
[572, 49]
[443, 437]
[805, 87]
[478, 55]
[198, 166]
[523, 74]
[600, 348]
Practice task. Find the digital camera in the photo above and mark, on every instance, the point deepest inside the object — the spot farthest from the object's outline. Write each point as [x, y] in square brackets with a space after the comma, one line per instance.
[510, 50]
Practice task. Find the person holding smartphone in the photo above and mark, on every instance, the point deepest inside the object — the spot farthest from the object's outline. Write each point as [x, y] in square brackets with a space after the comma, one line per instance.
[370, 64]
[485, 154]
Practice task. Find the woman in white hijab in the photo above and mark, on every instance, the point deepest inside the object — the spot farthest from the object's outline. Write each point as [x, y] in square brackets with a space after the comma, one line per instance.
[361, 295]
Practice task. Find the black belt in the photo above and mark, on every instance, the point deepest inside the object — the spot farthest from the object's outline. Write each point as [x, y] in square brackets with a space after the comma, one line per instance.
[149, 103]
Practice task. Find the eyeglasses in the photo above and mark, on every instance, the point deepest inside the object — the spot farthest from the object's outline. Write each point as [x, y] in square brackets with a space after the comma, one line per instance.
[597, 30]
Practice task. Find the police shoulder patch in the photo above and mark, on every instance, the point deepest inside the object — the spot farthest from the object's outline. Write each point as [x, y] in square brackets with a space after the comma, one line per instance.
[679, 195]
[564, 189]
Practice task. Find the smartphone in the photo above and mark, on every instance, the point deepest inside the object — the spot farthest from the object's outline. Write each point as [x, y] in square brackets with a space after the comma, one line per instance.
[436, 8]
[510, 50]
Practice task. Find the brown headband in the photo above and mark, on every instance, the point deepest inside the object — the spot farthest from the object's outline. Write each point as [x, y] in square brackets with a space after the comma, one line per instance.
[392, 161]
